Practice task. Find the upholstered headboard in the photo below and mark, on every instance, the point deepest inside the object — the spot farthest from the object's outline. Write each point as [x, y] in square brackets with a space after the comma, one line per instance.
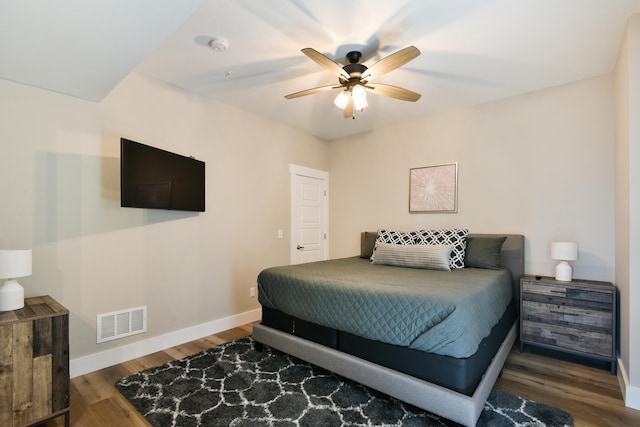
[511, 254]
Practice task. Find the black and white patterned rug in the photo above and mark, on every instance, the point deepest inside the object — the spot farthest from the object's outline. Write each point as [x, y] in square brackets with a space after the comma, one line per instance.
[235, 385]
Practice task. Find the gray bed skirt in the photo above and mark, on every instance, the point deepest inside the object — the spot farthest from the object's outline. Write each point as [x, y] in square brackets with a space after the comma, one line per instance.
[441, 401]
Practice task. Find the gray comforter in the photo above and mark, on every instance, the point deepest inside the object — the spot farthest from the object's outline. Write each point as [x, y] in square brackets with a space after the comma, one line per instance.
[443, 312]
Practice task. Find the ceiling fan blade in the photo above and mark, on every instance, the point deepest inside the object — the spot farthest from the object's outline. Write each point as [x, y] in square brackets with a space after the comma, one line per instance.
[311, 91]
[394, 92]
[349, 110]
[391, 62]
[326, 62]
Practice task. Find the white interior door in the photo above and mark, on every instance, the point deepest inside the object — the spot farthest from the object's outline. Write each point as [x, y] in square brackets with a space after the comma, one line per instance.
[309, 216]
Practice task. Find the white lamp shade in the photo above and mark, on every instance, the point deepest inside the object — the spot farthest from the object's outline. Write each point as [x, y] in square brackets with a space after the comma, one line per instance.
[341, 100]
[15, 263]
[564, 251]
[359, 97]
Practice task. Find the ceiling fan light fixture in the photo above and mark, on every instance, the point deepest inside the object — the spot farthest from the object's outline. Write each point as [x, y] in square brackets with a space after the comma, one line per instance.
[359, 97]
[355, 77]
[341, 100]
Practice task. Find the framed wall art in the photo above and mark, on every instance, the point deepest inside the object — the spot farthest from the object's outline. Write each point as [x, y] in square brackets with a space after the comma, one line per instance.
[434, 188]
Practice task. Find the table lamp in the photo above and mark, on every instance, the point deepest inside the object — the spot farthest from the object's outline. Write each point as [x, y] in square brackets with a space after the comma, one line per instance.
[564, 252]
[13, 264]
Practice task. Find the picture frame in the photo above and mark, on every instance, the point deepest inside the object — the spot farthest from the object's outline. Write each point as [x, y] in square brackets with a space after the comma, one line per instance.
[434, 189]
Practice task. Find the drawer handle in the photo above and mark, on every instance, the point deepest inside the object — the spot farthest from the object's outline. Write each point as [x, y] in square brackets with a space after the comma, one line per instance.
[562, 334]
[563, 313]
[553, 291]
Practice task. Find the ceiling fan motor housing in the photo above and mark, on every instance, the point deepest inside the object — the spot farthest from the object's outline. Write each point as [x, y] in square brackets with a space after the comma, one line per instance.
[355, 72]
[353, 57]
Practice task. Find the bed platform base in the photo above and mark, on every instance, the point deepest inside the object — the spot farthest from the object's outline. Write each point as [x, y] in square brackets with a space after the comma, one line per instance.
[441, 401]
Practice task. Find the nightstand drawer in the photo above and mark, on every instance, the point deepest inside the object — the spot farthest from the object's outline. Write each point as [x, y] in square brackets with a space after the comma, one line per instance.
[575, 317]
[579, 340]
[564, 295]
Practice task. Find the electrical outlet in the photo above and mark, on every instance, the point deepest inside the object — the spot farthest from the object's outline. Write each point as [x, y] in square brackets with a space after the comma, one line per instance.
[252, 292]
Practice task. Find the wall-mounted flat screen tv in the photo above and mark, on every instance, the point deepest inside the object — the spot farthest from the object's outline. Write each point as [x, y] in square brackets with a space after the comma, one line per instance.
[157, 179]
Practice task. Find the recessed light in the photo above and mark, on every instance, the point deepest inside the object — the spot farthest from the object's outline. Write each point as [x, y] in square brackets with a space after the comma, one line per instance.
[219, 44]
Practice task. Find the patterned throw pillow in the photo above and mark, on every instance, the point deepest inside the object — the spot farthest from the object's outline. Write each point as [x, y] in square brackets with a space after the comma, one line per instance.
[457, 237]
[398, 237]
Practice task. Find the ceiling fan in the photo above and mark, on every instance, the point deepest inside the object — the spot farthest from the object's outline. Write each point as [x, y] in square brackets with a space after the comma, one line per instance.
[355, 79]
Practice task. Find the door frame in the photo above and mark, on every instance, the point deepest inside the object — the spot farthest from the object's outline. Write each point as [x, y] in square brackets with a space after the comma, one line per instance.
[297, 170]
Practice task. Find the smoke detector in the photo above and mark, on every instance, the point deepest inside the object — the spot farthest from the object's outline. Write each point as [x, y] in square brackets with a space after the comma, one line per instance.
[219, 44]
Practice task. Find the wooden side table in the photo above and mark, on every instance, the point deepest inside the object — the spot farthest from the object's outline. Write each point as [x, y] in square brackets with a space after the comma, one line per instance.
[576, 317]
[34, 363]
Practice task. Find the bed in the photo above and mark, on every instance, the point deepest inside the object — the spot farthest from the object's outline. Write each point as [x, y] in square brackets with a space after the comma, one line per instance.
[366, 322]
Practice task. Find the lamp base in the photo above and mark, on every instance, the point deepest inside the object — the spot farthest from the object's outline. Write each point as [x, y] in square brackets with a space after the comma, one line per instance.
[564, 272]
[11, 296]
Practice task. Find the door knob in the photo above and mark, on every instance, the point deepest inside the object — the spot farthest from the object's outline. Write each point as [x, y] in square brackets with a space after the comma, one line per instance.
[299, 247]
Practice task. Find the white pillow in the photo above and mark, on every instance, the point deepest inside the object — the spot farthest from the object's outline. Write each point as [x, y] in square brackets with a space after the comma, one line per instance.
[432, 257]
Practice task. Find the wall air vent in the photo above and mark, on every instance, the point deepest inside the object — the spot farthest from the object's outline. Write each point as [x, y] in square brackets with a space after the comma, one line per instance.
[120, 324]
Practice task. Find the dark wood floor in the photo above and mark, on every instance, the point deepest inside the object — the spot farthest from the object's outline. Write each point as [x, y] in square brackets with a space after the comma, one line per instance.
[592, 395]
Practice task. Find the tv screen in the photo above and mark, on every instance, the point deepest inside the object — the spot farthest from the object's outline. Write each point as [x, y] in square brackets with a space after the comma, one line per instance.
[157, 179]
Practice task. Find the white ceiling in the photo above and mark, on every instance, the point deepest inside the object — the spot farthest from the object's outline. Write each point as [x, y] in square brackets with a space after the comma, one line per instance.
[83, 48]
[473, 51]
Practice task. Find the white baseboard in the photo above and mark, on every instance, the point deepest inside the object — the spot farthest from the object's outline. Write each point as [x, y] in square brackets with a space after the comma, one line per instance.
[632, 397]
[630, 393]
[93, 362]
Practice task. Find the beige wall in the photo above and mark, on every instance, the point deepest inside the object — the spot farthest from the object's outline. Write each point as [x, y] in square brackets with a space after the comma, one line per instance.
[539, 164]
[627, 203]
[59, 162]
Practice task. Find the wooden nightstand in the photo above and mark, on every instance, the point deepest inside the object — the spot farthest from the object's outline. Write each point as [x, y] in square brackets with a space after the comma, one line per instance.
[577, 317]
[34, 363]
